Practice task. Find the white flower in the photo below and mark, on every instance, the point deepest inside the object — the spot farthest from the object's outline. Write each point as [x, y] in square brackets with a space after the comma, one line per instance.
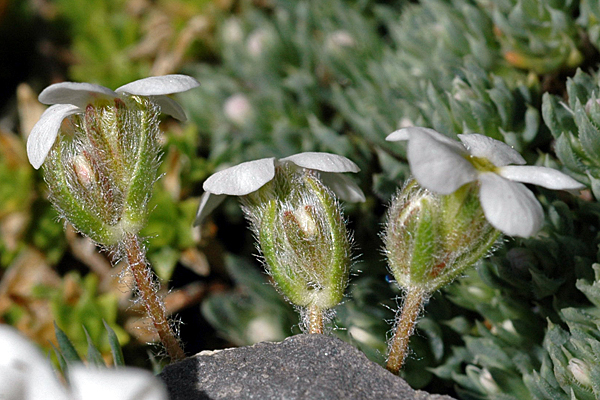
[25, 374]
[443, 165]
[339, 39]
[70, 98]
[238, 109]
[250, 176]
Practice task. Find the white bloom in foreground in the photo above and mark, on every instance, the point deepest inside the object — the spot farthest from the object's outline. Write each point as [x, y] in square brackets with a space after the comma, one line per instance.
[70, 98]
[443, 165]
[25, 374]
[248, 177]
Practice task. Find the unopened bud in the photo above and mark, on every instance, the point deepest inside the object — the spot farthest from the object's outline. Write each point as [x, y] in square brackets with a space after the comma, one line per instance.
[101, 178]
[487, 381]
[306, 221]
[580, 371]
[302, 236]
[430, 239]
[83, 171]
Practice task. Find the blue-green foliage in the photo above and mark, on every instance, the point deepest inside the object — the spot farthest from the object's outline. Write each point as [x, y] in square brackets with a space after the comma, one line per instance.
[338, 76]
[67, 355]
[457, 66]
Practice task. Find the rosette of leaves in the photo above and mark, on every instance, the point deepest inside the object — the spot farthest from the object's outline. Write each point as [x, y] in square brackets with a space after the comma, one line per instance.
[536, 35]
[271, 93]
[431, 41]
[589, 19]
[394, 86]
[575, 125]
[522, 295]
[485, 103]
[572, 350]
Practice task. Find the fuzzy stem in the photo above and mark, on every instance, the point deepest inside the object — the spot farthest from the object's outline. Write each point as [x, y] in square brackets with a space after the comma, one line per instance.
[148, 292]
[315, 319]
[405, 326]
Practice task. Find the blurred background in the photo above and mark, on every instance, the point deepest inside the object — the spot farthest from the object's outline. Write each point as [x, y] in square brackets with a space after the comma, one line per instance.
[280, 77]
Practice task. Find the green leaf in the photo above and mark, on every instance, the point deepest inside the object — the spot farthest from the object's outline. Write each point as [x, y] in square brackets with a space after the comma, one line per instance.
[115, 346]
[566, 155]
[66, 347]
[93, 354]
[589, 135]
[557, 116]
[62, 363]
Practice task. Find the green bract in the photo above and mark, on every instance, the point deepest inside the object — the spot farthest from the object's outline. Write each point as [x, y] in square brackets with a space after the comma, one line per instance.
[101, 171]
[101, 178]
[430, 239]
[302, 236]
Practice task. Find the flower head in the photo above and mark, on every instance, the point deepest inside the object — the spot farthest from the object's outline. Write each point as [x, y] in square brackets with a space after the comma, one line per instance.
[248, 177]
[69, 98]
[297, 222]
[443, 165]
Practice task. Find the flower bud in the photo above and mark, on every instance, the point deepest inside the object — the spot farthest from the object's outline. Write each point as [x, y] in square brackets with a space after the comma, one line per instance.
[302, 236]
[101, 178]
[581, 372]
[237, 108]
[430, 238]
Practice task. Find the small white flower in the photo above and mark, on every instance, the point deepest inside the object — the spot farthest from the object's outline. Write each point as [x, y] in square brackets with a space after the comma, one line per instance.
[25, 374]
[443, 165]
[238, 109]
[339, 39]
[68, 98]
[232, 32]
[256, 42]
[248, 177]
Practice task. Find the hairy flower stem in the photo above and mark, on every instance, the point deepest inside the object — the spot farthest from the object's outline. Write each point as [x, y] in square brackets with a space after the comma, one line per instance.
[315, 319]
[405, 326]
[148, 292]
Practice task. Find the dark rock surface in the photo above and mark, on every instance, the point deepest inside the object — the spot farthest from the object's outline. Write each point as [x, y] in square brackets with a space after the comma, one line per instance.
[300, 367]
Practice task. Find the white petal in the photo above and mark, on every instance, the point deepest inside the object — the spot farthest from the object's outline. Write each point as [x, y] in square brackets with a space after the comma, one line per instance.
[208, 202]
[509, 206]
[37, 379]
[45, 131]
[79, 94]
[170, 107]
[400, 134]
[325, 162]
[344, 187]
[417, 131]
[241, 179]
[117, 384]
[499, 153]
[13, 384]
[541, 176]
[158, 85]
[437, 165]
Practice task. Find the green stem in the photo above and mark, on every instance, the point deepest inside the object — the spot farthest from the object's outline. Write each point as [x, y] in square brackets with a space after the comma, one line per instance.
[405, 326]
[315, 319]
[148, 291]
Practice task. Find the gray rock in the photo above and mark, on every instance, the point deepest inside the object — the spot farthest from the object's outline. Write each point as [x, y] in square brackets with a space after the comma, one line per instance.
[300, 367]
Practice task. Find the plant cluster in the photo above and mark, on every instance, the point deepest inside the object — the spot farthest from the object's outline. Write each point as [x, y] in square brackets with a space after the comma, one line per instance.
[293, 95]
